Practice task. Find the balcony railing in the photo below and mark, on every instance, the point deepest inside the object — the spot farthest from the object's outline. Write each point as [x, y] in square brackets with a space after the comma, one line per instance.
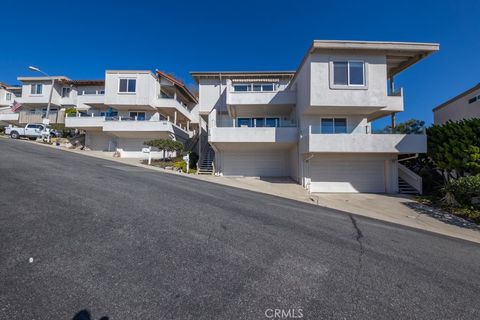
[279, 123]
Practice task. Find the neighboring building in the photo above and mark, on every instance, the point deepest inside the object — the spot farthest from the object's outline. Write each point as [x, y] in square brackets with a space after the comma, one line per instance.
[314, 125]
[8, 95]
[464, 106]
[134, 107]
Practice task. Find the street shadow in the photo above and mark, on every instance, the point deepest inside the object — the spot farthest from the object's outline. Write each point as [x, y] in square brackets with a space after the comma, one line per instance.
[442, 215]
[85, 315]
[278, 180]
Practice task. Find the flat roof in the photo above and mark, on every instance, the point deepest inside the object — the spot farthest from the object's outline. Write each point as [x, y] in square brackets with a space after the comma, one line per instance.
[198, 74]
[400, 55]
[86, 82]
[461, 95]
[42, 78]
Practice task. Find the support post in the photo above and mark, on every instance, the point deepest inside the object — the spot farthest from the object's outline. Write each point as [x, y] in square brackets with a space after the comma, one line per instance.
[175, 117]
[394, 121]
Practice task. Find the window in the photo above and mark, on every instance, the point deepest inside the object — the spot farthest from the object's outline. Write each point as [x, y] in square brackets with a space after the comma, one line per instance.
[36, 88]
[334, 125]
[65, 92]
[349, 73]
[272, 122]
[472, 100]
[8, 96]
[241, 87]
[137, 115]
[244, 122]
[259, 122]
[256, 87]
[89, 91]
[128, 85]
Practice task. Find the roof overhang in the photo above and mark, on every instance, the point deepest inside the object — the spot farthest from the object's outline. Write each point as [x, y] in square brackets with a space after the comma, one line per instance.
[196, 75]
[400, 55]
[461, 95]
[60, 78]
[86, 82]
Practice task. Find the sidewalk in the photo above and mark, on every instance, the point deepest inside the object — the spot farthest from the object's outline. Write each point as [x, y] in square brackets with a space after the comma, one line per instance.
[391, 208]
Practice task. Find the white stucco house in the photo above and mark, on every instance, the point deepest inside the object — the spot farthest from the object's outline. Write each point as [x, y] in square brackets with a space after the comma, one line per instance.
[314, 124]
[134, 106]
[8, 95]
[466, 105]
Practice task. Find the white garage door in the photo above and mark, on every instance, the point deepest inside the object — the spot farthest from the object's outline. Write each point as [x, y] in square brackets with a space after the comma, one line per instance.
[255, 164]
[347, 174]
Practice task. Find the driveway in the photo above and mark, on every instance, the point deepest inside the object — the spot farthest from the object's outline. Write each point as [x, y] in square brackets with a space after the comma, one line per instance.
[128, 243]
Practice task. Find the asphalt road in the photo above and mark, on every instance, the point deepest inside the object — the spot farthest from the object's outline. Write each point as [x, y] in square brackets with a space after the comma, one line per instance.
[129, 243]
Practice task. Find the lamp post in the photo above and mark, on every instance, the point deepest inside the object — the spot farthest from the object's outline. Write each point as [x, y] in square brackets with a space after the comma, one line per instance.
[46, 121]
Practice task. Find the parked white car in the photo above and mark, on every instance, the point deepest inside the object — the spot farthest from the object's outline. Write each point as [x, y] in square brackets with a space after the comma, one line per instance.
[31, 131]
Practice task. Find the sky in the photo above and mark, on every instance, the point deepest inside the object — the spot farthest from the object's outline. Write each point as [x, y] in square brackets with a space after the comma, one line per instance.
[82, 39]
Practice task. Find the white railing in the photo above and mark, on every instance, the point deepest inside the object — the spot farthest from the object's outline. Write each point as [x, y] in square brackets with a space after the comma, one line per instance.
[233, 123]
[410, 177]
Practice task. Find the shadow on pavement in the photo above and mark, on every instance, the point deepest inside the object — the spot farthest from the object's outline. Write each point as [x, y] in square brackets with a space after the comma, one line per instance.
[85, 315]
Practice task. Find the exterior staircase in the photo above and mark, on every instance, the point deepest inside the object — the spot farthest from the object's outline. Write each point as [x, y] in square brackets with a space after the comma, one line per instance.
[408, 181]
[205, 165]
[404, 187]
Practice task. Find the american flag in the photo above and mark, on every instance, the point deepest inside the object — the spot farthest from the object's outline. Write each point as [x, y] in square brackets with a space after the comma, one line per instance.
[15, 106]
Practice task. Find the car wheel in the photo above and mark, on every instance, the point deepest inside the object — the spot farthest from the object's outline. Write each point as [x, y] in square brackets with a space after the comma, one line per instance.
[14, 135]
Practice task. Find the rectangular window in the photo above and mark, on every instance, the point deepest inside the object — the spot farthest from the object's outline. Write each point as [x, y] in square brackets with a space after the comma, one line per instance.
[36, 88]
[8, 96]
[272, 122]
[334, 125]
[340, 73]
[65, 92]
[349, 73]
[244, 122]
[127, 85]
[259, 122]
[137, 115]
[241, 87]
[256, 87]
[472, 100]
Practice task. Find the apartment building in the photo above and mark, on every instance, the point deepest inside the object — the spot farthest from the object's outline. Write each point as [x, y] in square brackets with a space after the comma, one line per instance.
[466, 105]
[8, 95]
[134, 106]
[314, 124]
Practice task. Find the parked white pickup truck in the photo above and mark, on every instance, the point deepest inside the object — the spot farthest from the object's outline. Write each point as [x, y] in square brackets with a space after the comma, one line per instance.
[31, 131]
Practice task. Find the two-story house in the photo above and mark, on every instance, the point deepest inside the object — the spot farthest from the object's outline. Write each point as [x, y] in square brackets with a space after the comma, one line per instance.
[466, 105]
[314, 124]
[137, 106]
[8, 96]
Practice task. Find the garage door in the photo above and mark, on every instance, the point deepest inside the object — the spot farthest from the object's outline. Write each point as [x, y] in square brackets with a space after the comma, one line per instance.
[347, 174]
[255, 164]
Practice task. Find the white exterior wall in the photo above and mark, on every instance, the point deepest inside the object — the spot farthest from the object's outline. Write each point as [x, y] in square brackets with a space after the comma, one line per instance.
[212, 95]
[322, 93]
[147, 88]
[459, 109]
[28, 98]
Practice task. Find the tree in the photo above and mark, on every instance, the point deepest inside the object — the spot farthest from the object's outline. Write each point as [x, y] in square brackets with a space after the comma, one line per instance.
[412, 126]
[165, 145]
[454, 148]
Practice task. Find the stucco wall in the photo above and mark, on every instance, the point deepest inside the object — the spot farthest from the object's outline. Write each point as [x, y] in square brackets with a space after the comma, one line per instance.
[459, 109]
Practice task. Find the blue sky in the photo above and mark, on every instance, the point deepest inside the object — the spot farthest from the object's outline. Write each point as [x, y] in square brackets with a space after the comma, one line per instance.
[82, 39]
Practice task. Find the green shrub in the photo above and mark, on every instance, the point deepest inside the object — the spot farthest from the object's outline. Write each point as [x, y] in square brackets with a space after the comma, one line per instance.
[71, 111]
[464, 189]
[181, 165]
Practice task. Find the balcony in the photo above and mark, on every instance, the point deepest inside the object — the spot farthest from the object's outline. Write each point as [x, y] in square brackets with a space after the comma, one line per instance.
[261, 98]
[163, 102]
[363, 143]
[90, 100]
[224, 131]
[124, 125]
[84, 121]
